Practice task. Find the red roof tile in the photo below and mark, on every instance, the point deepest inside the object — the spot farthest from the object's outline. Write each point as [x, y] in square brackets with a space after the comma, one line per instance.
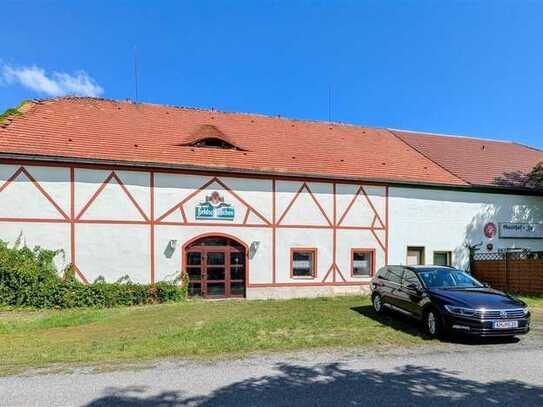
[476, 161]
[106, 130]
[100, 129]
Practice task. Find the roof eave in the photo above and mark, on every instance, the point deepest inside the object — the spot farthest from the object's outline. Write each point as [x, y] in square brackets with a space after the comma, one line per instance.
[263, 173]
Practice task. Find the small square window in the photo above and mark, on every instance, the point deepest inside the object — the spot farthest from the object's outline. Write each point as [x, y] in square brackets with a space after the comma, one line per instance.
[362, 262]
[442, 258]
[415, 256]
[303, 263]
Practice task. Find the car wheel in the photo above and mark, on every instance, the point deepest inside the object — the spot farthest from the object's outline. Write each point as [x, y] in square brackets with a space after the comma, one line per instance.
[432, 323]
[377, 303]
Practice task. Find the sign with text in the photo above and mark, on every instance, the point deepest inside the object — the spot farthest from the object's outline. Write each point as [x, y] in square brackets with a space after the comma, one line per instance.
[214, 208]
[512, 230]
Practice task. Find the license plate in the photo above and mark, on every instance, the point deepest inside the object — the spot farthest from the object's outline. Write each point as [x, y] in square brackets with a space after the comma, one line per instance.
[505, 324]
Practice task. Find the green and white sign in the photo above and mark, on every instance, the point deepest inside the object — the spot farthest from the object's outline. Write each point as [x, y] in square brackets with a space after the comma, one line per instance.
[511, 230]
[214, 208]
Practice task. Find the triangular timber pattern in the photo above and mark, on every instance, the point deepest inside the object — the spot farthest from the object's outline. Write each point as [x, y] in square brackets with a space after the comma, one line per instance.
[376, 228]
[250, 212]
[108, 181]
[308, 190]
[23, 171]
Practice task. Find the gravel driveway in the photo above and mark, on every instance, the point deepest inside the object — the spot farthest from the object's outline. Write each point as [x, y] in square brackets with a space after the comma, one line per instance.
[497, 374]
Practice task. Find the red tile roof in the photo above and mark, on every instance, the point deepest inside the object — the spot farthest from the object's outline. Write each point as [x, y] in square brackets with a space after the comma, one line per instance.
[476, 161]
[135, 134]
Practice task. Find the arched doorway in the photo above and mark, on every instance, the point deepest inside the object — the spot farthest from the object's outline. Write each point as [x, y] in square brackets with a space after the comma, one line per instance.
[216, 266]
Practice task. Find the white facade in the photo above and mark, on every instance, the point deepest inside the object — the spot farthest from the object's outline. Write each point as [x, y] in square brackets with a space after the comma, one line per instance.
[113, 222]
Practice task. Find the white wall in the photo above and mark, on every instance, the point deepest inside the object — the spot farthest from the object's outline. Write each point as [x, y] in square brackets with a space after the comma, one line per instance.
[113, 235]
[443, 220]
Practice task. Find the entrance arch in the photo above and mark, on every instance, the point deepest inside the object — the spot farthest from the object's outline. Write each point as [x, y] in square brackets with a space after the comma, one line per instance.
[217, 266]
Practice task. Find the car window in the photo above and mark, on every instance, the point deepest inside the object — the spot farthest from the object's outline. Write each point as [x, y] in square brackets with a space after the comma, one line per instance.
[448, 278]
[409, 277]
[382, 273]
[394, 274]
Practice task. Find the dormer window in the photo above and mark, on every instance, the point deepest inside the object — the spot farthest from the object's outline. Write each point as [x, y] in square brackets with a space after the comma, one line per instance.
[209, 136]
[213, 142]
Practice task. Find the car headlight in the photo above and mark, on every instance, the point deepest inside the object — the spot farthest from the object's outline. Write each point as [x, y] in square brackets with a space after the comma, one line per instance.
[526, 310]
[466, 312]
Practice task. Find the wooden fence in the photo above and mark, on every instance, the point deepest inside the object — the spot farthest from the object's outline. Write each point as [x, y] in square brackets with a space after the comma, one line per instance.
[517, 272]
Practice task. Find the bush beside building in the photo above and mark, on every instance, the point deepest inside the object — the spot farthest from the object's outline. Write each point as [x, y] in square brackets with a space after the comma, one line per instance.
[28, 278]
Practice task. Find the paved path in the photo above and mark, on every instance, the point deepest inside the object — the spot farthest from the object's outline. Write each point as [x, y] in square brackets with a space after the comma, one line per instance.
[496, 375]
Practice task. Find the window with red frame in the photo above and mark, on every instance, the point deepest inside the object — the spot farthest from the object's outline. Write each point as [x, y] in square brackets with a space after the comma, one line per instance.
[303, 263]
[362, 261]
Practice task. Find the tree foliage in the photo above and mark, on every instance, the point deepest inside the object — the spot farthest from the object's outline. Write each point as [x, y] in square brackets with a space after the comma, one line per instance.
[519, 179]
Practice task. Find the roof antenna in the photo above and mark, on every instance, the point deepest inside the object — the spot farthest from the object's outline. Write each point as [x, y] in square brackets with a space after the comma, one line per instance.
[135, 75]
[330, 103]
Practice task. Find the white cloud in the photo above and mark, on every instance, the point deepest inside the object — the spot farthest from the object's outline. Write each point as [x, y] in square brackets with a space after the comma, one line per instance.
[55, 84]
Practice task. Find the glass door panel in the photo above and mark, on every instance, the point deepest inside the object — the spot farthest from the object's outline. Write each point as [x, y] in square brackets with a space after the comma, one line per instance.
[237, 259]
[216, 289]
[194, 258]
[237, 272]
[215, 258]
[237, 289]
[216, 273]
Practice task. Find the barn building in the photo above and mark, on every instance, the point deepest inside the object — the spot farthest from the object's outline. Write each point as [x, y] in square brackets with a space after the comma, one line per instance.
[248, 205]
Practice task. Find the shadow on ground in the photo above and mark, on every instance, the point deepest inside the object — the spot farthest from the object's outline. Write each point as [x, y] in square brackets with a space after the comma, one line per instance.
[334, 385]
[412, 327]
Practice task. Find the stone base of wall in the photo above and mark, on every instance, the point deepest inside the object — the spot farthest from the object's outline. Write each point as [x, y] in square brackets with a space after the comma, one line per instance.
[305, 292]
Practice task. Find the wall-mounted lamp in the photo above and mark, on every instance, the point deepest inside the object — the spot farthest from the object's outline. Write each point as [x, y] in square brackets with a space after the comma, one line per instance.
[170, 248]
[253, 248]
[255, 245]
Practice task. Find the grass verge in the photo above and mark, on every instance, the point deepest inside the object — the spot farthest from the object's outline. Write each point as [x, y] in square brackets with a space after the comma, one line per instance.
[195, 329]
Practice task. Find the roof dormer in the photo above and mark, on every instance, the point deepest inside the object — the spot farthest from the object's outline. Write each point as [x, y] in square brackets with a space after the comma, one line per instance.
[209, 136]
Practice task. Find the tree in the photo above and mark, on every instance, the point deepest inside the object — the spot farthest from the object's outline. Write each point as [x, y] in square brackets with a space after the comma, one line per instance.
[519, 179]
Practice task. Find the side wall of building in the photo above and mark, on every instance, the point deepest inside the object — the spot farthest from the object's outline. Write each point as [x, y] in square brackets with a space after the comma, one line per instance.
[445, 220]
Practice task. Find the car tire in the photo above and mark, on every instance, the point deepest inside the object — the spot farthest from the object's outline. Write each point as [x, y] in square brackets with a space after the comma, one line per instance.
[377, 303]
[433, 326]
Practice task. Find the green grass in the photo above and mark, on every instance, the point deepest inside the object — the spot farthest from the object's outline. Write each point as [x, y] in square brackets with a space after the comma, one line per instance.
[195, 329]
[533, 301]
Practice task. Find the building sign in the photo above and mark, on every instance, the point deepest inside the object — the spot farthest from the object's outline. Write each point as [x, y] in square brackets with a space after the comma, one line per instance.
[521, 230]
[214, 208]
[490, 230]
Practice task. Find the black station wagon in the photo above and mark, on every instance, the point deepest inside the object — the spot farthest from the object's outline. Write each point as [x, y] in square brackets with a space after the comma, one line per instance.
[448, 300]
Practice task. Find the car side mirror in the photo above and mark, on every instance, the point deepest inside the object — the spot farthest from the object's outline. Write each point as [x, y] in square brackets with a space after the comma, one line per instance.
[486, 285]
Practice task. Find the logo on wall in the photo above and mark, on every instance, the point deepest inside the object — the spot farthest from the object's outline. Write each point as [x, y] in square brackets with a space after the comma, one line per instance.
[214, 208]
[490, 230]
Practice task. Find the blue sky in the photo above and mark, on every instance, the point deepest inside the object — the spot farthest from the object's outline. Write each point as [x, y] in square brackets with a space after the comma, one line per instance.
[457, 67]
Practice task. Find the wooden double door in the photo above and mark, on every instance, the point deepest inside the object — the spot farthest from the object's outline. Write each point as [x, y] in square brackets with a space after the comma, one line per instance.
[216, 267]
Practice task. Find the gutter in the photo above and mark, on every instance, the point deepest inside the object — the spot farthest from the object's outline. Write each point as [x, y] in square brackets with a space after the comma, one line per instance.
[263, 173]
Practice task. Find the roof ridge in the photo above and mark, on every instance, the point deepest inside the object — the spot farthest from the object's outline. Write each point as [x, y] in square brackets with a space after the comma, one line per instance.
[210, 110]
[428, 133]
[527, 146]
[427, 157]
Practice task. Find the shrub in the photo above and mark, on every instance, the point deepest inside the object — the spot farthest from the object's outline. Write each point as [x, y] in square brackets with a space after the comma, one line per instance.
[28, 278]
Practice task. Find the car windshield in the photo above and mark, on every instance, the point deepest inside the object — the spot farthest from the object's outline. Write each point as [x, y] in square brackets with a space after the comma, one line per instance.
[438, 278]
